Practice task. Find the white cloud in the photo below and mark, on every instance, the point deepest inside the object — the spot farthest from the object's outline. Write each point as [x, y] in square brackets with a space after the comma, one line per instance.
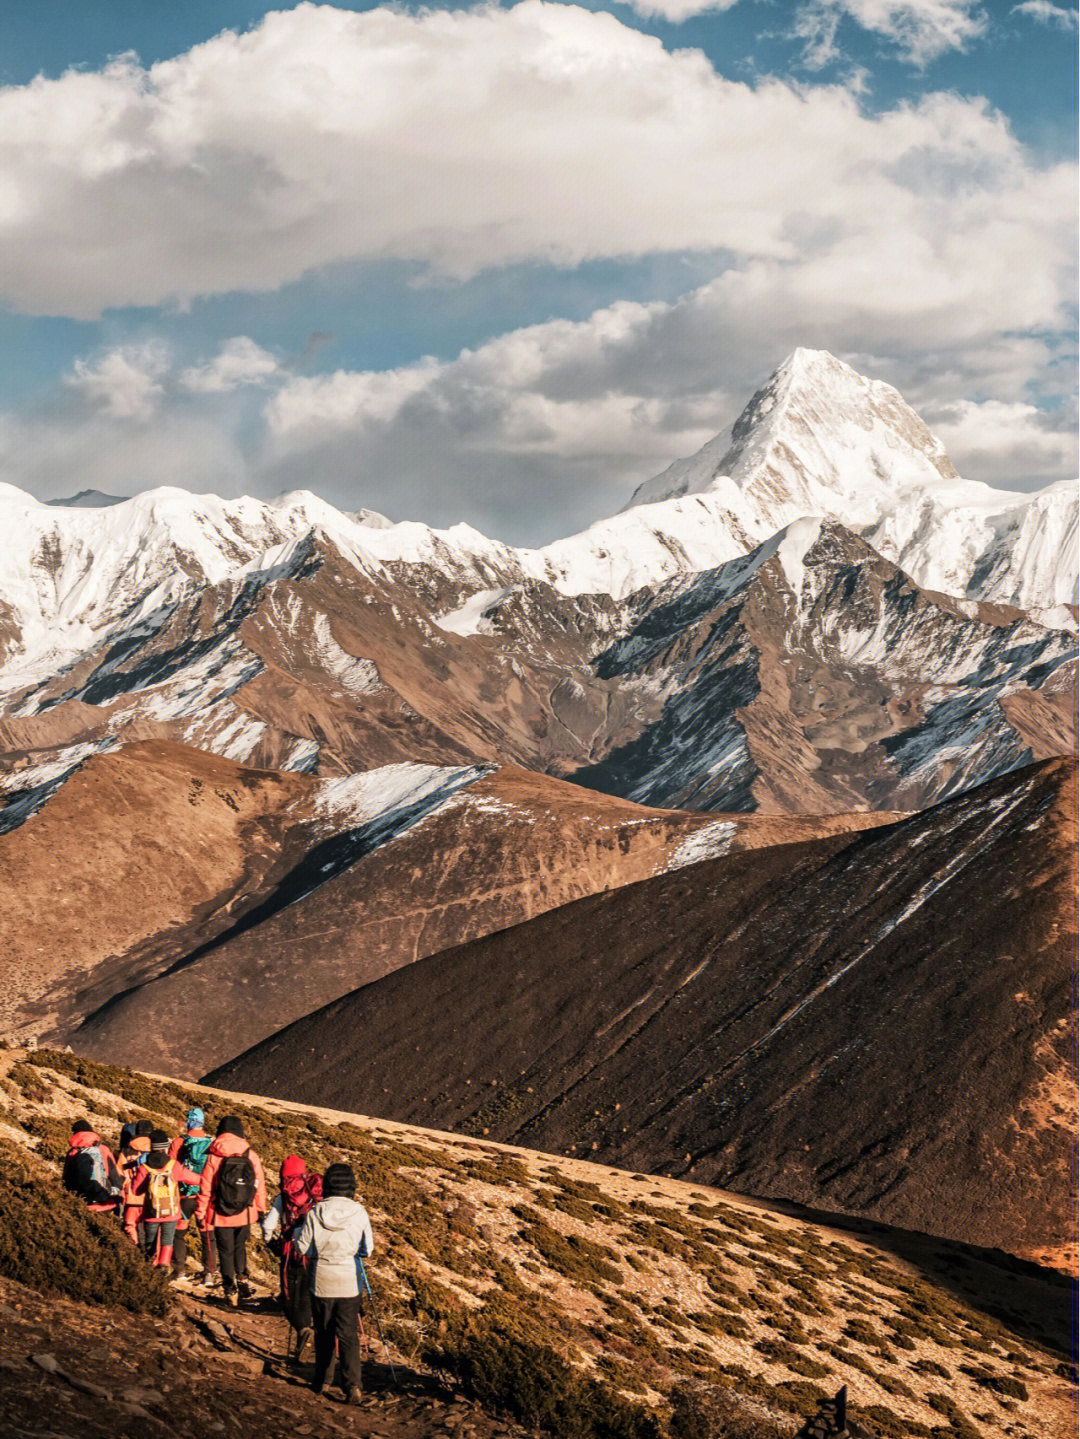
[458, 141]
[1008, 442]
[240, 361]
[676, 11]
[125, 383]
[922, 29]
[1047, 13]
[543, 429]
[925, 244]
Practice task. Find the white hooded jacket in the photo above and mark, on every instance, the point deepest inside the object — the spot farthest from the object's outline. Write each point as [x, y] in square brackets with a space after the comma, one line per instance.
[336, 1234]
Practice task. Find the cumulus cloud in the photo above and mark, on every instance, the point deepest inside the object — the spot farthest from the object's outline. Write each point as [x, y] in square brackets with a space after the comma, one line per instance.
[125, 383]
[921, 29]
[923, 243]
[240, 361]
[326, 136]
[1047, 13]
[1005, 443]
[676, 11]
[541, 430]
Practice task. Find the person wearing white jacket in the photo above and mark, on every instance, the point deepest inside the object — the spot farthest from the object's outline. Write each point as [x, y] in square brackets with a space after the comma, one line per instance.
[335, 1236]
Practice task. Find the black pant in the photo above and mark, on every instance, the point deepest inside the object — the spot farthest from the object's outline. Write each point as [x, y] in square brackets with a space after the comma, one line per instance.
[296, 1292]
[337, 1319]
[209, 1261]
[231, 1241]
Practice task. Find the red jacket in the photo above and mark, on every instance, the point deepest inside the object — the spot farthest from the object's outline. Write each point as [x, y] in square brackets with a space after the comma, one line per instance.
[83, 1140]
[130, 1161]
[223, 1145]
[141, 1183]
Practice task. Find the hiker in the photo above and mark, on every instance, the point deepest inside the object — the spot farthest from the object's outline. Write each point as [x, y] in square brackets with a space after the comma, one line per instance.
[157, 1186]
[280, 1229]
[192, 1148]
[336, 1236]
[232, 1195]
[134, 1147]
[90, 1169]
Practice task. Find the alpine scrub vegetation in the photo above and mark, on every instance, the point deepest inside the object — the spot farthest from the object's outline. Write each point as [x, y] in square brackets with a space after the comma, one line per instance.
[51, 1243]
[584, 1302]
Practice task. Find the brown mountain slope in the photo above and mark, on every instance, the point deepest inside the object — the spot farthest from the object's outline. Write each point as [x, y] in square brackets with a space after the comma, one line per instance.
[881, 1024]
[135, 846]
[839, 686]
[503, 849]
[537, 1276]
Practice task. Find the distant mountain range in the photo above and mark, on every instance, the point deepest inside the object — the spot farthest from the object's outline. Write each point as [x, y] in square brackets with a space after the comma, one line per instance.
[813, 615]
[733, 837]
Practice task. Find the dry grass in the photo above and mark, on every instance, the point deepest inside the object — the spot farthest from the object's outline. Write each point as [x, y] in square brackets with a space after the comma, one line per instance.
[507, 1266]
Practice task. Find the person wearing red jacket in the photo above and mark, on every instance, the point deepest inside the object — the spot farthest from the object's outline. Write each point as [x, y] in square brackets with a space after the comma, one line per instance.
[232, 1195]
[157, 1184]
[192, 1148]
[90, 1169]
[134, 1147]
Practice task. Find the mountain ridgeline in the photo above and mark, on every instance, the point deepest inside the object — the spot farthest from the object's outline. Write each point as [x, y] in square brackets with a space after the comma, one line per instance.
[833, 621]
[731, 839]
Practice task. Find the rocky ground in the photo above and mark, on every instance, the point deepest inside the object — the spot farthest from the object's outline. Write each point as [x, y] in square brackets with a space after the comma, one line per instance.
[70, 1369]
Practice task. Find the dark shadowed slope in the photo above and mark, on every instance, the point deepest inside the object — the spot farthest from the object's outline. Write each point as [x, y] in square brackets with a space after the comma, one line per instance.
[501, 850]
[880, 1024]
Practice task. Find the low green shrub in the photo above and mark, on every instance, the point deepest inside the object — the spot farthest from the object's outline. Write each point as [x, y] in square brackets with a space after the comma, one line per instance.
[506, 1371]
[51, 1242]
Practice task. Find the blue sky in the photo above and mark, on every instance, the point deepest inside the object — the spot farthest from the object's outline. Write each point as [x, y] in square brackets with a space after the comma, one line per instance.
[502, 264]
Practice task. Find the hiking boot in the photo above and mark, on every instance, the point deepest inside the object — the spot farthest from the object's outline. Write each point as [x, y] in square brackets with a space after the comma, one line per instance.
[304, 1342]
[232, 1299]
[355, 1395]
[207, 1279]
[246, 1289]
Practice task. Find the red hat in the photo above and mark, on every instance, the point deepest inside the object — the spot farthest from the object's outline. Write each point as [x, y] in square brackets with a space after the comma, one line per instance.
[291, 1166]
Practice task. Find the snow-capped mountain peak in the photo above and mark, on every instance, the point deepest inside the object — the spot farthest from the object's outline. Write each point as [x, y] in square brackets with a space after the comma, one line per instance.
[820, 439]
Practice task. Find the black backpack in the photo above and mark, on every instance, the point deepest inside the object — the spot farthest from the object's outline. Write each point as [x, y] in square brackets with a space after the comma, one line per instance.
[93, 1177]
[235, 1187]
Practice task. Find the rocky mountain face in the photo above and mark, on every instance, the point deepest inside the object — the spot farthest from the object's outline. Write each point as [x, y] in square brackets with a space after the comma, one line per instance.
[768, 631]
[811, 1021]
[819, 439]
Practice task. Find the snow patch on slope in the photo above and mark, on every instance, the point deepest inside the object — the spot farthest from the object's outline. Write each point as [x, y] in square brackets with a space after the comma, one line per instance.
[711, 841]
[469, 618]
[357, 799]
[358, 677]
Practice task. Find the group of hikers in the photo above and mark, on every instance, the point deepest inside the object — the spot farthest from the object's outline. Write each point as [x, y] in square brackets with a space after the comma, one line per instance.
[159, 1184]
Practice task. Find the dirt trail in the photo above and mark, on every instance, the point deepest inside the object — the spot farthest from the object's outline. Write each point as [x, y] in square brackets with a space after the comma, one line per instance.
[72, 1369]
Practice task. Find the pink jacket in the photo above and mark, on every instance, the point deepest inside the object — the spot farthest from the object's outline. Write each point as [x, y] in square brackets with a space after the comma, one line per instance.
[205, 1214]
[141, 1183]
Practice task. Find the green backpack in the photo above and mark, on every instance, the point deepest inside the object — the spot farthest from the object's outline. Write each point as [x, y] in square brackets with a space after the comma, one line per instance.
[192, 1156]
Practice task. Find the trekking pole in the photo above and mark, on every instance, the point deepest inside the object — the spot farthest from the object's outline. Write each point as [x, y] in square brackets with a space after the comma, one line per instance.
[375, 1316]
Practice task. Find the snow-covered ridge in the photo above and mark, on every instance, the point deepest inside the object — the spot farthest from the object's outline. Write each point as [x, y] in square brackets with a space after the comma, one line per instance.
[821, 439]
[818, 440]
